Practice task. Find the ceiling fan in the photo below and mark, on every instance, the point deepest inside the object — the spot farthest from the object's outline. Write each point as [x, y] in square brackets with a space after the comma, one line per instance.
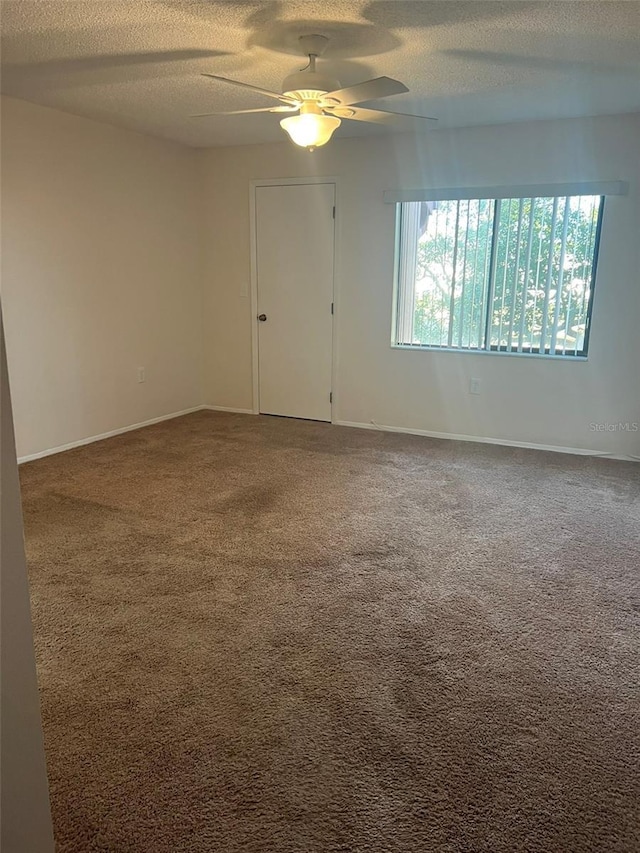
[321, 103]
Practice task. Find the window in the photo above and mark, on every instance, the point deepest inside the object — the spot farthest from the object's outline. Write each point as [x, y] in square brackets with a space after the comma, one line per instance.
[513, 275]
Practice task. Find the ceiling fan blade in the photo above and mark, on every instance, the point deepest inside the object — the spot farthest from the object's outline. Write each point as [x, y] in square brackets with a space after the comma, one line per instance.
[369, 90]
[410, 122]
[266, 92]
[284, 109]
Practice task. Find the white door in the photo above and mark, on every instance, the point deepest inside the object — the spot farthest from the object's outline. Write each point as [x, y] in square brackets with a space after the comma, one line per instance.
[294, 266]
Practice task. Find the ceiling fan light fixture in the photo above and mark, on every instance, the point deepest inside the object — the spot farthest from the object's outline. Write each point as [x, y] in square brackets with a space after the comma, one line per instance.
[323, 102]
[311, 128]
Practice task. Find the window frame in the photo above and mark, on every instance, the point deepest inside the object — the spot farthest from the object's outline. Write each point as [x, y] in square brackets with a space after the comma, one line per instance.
[580, 356]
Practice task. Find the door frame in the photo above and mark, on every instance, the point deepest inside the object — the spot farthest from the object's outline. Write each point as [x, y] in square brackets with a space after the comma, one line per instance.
[253, 301]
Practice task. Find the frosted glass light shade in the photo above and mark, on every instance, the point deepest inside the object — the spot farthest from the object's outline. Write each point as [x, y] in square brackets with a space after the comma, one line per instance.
[310, 130]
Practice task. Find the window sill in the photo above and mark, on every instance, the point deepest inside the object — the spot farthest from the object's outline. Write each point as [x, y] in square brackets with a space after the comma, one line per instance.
[581, 359]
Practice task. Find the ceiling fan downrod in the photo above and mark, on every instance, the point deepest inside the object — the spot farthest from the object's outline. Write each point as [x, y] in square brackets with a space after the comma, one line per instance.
[310, 84]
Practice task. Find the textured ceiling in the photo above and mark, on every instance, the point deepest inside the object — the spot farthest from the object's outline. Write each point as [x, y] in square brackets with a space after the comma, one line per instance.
[136, 63]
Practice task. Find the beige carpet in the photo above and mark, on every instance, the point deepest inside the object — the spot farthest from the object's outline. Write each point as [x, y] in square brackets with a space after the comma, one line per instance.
[258, 634]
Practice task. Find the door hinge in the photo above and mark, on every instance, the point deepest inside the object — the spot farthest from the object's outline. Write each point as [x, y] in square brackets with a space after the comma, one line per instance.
[332, 307]
[334, 211]
[331, 396]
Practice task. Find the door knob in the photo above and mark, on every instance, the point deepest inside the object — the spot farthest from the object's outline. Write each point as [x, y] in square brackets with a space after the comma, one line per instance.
[262, 317]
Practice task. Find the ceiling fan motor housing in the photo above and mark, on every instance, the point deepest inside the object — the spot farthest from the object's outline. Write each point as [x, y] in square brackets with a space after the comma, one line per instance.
[308, 85]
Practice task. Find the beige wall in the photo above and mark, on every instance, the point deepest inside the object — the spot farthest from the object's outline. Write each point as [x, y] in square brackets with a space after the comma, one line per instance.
[100, 275]
[26, 817]
[540, 401]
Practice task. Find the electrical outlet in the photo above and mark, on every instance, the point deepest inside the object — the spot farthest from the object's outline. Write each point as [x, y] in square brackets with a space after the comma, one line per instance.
[141, 374]
[474, 386]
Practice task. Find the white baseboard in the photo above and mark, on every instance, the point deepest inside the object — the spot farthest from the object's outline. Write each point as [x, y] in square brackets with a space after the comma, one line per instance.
[230, 409]
[527, 445]
[104, 435]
